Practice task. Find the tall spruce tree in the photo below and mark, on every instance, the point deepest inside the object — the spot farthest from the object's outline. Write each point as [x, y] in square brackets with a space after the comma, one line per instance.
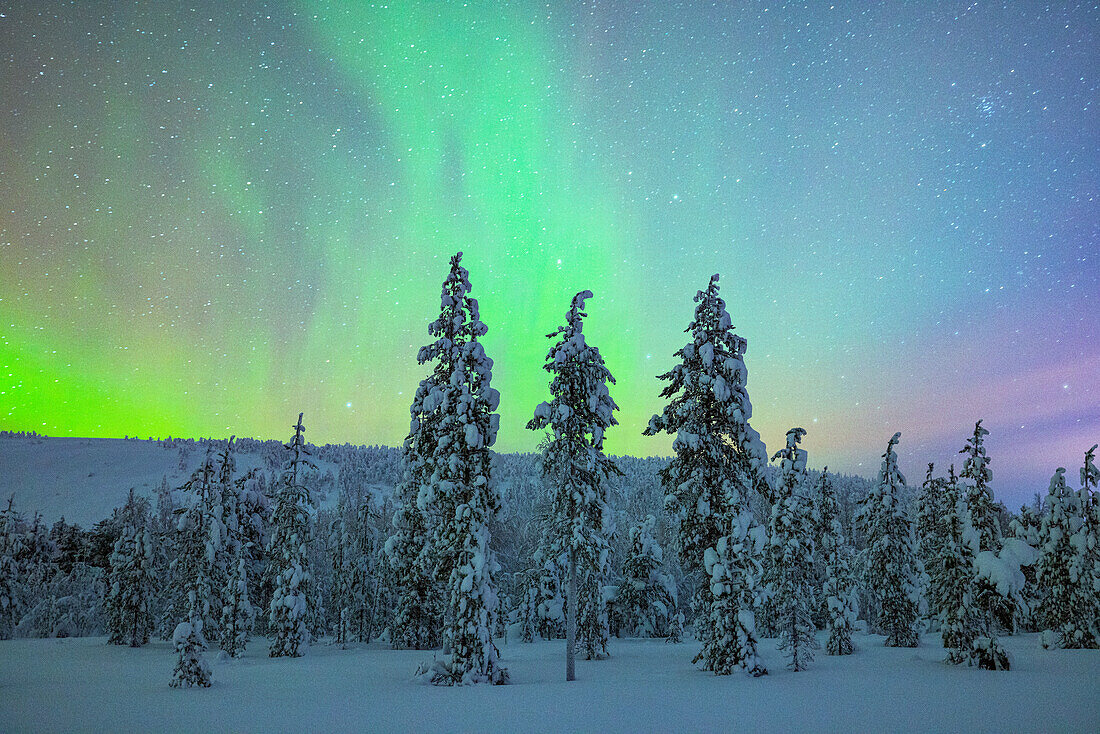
[839, 589]
[289, 612]
[790, 547]
[889, 560]
[719, 463]
[459, 495]
[576, 418]
[129, 616]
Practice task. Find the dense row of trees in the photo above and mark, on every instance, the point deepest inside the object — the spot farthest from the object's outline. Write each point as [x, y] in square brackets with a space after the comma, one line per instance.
[446, 545]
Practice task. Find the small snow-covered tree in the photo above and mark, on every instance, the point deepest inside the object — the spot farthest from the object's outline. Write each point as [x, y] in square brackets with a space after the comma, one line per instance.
[1066, 594]
[129, 618]
[191, 666]
[576, 419]
[195, 557]
[976, 477]
[889, 560]
[719, 464]
[647, 596]
[289, 558]
[459, 494]
[839, 589]
[237, 611]
[790, 547]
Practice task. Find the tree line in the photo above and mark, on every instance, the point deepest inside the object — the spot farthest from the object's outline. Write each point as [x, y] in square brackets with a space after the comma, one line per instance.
[446, 561]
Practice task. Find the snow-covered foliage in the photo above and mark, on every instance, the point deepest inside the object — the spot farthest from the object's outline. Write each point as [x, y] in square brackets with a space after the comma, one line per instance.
[129, 618]
[889, 560]
[291, 532]
[976, 477]
[951, 593]
[10, 544]
[191, 666]
[458, 411]
[719, 462]
[839, 588]
[197, 545]
[576, 418]
[647, 595]
[791, 551]
[1066, 581]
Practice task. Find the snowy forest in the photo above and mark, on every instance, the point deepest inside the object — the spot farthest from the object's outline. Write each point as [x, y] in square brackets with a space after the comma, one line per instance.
[444, 546]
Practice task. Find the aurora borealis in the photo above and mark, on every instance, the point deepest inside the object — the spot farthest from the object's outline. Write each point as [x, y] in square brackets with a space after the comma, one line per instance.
[215, 215]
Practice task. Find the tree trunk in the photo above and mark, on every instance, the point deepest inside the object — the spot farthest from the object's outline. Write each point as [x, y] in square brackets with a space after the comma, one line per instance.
[571, 620]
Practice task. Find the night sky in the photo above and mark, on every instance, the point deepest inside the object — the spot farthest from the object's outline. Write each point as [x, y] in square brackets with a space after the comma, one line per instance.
[212, 219]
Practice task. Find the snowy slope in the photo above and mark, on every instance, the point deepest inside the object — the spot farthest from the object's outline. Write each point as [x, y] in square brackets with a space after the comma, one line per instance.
[85, 685]
[83, 479]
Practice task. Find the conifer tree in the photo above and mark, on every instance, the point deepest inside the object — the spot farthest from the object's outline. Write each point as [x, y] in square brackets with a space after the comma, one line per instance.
[931, 511]
[459, 495]
[417, 621]
[719, 463]
[576, 418]
[1067, 601]
[341, 577]
[839, 587]
[289, 612]
[976, 477]
[647, 597]
[191, 666]
[889, 561]
[194, 562]
[952, 590]
[791, 548]
[10, 592]
[237, 611]
[129, 618]
[1089, 543]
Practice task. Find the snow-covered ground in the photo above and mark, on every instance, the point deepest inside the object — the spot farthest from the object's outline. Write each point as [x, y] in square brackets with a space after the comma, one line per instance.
[86, 685]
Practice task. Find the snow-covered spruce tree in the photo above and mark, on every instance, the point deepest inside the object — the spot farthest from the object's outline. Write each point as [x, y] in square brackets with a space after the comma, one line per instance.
[289, 558]
[195, 556]
[976, 477]
[10, 591]
[129, 620]
[1066, 596]
[791, 548]
[647, 596]
[237, 611]
[417, 621]
[575, 419]
[191, 666]
[1089, 542]
[889, 560]
[339, 545]
[951, 593]
[365, 576]
[931, 510]
[719, 461]
[839, 589]
[459, 494]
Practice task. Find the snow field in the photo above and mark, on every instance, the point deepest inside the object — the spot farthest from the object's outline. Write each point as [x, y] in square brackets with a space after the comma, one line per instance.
[646, 686]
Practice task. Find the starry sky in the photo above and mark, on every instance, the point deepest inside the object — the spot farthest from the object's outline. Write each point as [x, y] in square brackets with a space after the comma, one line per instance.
[215, 215]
